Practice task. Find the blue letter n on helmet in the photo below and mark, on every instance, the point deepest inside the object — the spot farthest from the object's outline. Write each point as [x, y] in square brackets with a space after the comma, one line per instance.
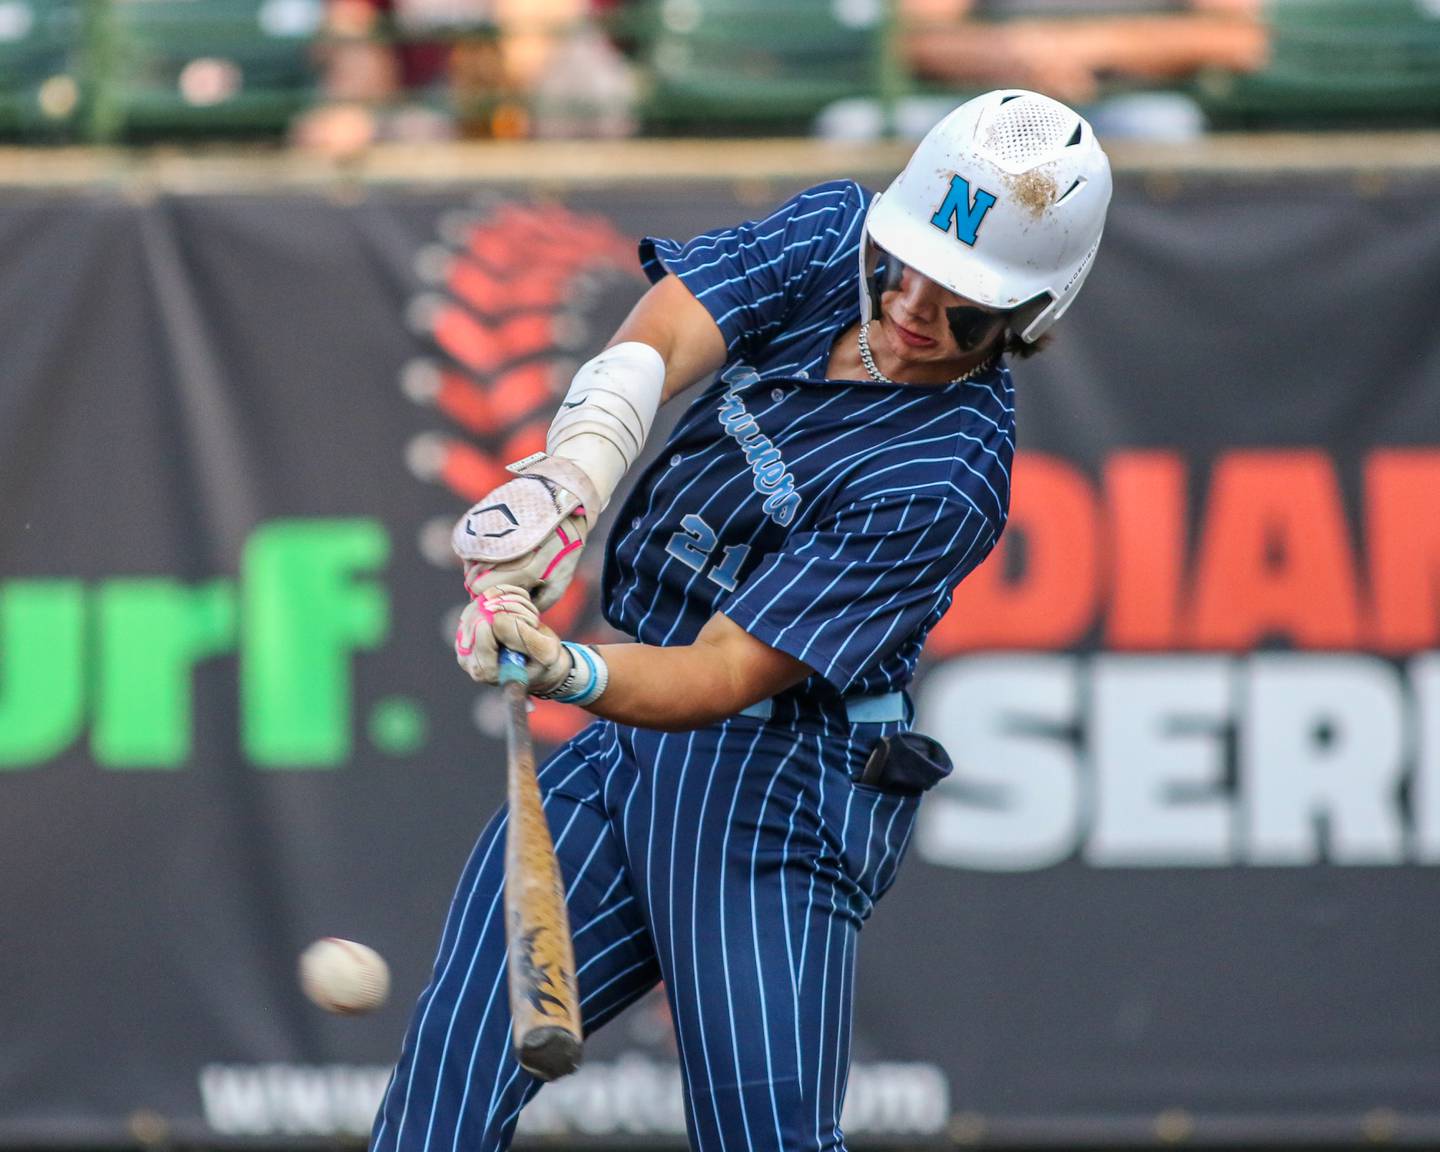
[960, 213]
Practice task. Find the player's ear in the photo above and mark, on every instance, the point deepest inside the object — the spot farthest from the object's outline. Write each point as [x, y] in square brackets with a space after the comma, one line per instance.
[1020, 319]
[1018, 349]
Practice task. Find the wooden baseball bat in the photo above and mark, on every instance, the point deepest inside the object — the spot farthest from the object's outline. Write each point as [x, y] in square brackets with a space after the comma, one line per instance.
[544, 996]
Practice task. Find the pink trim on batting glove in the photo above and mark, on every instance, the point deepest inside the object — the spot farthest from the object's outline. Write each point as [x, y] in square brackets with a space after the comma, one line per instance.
[484, 611]
[570, 546]
[469, 591]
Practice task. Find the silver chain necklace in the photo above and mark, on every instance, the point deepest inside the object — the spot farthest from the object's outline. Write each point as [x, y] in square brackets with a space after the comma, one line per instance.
[880, 378]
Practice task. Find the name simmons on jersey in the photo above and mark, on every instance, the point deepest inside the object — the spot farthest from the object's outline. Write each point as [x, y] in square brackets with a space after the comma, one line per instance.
[772, 479]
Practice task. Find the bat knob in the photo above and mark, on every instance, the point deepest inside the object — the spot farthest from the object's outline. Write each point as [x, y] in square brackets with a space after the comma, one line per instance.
[549, 1053]
[512, 668]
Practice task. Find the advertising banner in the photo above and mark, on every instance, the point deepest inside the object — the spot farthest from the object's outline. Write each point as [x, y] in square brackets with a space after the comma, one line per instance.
[1179, 886]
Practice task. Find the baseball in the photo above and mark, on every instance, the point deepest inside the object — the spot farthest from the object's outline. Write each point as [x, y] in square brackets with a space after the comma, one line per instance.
[343, 976]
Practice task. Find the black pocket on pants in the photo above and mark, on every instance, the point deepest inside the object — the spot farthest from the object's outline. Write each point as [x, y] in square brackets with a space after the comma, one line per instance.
[907, 763]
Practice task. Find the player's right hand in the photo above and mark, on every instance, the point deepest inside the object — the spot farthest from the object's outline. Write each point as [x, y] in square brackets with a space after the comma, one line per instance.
[505, 617]
[544, 572]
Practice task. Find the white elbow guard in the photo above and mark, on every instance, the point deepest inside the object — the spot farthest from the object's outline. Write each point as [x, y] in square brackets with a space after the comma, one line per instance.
[606, 416]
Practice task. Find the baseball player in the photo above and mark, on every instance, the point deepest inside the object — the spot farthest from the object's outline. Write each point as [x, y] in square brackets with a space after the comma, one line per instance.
[750, 786]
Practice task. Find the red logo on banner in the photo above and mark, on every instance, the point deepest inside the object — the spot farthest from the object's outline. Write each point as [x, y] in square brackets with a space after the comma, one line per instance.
[511, 314]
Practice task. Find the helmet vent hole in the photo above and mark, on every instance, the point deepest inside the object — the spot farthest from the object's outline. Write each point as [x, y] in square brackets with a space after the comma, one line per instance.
[1027, 130]
[1074, 136]
[1066, 194]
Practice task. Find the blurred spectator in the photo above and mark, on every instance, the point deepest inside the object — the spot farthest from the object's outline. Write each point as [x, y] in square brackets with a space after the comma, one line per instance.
[1111, 58]
[1068, 48]
[366, 79]
[589, 90]
[426, 69]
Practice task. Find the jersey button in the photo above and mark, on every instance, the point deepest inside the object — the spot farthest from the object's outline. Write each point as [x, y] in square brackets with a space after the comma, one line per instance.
[777, 395]
[635, 523]
[675, 460]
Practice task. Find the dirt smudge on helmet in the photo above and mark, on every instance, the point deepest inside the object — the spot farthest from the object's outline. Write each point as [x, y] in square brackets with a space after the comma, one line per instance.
[1034, 191]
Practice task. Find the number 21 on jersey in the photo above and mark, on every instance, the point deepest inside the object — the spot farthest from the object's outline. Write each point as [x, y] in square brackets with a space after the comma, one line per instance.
[693, 546]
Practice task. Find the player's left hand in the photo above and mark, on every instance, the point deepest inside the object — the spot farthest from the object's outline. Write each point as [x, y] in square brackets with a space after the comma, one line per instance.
[505, 617]
[545, 570]
[530, 530]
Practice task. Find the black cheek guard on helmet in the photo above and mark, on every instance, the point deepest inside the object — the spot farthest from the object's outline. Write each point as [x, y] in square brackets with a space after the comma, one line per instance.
[971, 327]
[886, 278]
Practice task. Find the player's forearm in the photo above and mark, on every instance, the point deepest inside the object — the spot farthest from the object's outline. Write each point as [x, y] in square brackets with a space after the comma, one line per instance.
[671, 689]
[691, 685]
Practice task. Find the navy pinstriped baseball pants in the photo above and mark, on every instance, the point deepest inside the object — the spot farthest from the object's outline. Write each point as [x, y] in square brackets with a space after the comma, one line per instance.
[738, 864]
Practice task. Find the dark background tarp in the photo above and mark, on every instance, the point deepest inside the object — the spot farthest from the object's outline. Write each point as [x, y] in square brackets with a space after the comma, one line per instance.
[186, 379]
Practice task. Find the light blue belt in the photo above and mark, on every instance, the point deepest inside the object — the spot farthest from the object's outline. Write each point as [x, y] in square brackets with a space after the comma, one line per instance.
[883, 709]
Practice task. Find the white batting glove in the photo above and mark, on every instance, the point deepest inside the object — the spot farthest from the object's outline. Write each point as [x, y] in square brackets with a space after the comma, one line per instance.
[504, 616]
[529, 531]
[545, 571]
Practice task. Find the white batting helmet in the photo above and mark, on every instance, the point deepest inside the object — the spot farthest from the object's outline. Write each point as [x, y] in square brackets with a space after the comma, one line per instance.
[1003, 202]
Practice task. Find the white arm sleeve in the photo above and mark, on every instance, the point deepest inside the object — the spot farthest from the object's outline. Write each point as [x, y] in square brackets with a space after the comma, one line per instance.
[606, 416]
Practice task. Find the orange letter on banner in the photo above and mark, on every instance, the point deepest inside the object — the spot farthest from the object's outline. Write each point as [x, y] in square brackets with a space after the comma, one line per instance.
[1052, 535]
[1402, 518]
[1275, 558]
[1145, 497]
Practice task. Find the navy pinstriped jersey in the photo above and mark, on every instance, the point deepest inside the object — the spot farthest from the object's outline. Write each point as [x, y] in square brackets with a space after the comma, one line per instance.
[831, 519]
